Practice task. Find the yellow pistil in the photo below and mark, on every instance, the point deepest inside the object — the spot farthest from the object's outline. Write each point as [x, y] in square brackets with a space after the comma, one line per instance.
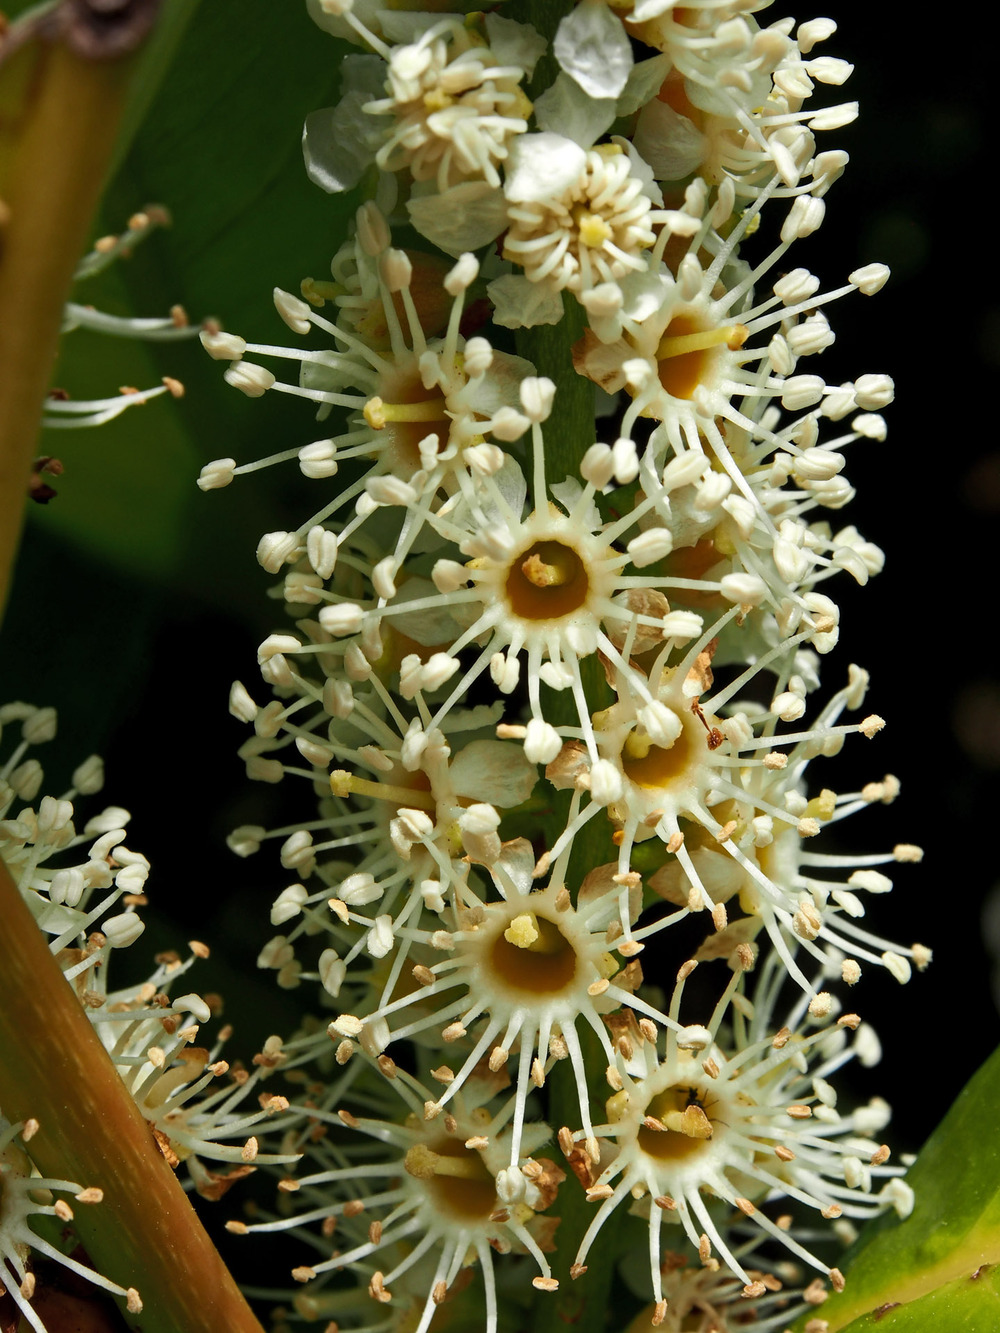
[379, 414]
[732, 335]
[527, 932]
[424, 1163]
[692, 1121]
[437, 100]
[346, 784]
[637, 744]
[523, 931]
[546, 574]
[317, 293]
[592, 229]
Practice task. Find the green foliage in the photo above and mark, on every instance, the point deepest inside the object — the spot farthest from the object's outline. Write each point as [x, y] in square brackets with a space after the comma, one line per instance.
[933, 1262]
[217, 144]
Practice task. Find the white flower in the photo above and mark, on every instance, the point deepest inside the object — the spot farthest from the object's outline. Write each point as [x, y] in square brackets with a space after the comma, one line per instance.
[411, 803]
[453, 110]
[522, 973]
[67, 895]
[690, 786]
[181, 1089]
[740, 1118]
[441, 1186]
[419, 404]
[576, 219]
[730, 103]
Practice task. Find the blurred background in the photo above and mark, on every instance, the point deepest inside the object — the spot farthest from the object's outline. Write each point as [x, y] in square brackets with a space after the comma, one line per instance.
[138, 599]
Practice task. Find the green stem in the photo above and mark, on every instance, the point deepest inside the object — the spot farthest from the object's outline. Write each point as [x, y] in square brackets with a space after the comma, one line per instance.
[54, 1069]
[581, 1303]
[569, 433]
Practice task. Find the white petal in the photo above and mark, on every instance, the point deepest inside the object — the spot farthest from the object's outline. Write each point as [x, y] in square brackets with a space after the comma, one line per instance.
[542, 166]
[593, 48]
[671, 144]
[466, 217]
[493, 771]
[515, 43]
[566, 109]
[521, 304]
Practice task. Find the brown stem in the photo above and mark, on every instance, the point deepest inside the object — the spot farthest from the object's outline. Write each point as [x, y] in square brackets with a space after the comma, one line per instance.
[53, 1068]
[59, 113]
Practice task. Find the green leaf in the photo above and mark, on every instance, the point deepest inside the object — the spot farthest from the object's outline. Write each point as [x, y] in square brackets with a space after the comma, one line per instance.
[925, 1263]
[968, 1305]
[219, 146]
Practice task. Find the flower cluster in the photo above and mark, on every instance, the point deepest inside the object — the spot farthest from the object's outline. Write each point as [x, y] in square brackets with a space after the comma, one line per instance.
[193, 1101]
[550, 689]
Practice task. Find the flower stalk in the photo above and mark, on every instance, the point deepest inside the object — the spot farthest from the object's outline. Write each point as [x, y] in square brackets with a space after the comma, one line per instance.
[54, 1070]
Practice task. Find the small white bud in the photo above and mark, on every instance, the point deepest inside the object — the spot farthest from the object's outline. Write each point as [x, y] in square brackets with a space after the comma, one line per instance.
[288, 904]
[123, 930]
[318, 460]
[508, 425]
[804, 217]
[321, 550]
[477, 357]
[682, 625]
[685, 469]
[662, 725]
[542, 742]
[537, 394]
[373, 230]
[249, 378]
[88, 777]
[381, 937]
[462, 276]
[605, 782]
[743, 589]
[395, 269]
[343, 619]
[216, 474]
[39, 726]
[873, 392]
[652, 545]
[870, 278]
[223, 346]
[802, 390]
[797, 286]
[293, 310]
[276, 548]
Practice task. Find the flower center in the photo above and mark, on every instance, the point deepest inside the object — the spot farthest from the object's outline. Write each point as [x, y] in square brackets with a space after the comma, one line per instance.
[652, 766]
[547, 580]
[592, 229]
[533, 955]
[685, 352]
[677, 1122]
[456, 1178]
